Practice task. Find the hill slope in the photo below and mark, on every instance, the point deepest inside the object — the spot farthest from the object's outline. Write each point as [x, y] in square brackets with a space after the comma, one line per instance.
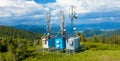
[96, 52]
[90, 33]
[9, 31]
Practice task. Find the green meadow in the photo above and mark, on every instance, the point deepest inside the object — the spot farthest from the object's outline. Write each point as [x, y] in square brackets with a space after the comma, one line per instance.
[20, 45]
[91, 52]
[89, 55]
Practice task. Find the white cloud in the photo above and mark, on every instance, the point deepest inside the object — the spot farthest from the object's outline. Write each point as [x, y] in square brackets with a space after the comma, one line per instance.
[54, 18]
[4, 2]
[83, 6]
[105, 19]
[19, 9]
[22, 7]
[97, 19]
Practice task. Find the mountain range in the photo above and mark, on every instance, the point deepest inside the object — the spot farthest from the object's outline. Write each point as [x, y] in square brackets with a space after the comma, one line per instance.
[88, 29]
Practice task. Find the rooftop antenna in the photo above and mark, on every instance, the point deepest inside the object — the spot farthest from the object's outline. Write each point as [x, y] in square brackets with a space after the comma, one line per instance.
[72, 16]
[48, 25]
[62, 24]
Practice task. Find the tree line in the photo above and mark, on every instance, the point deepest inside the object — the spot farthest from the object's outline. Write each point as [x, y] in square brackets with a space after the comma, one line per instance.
[111, 39]
[17, 44]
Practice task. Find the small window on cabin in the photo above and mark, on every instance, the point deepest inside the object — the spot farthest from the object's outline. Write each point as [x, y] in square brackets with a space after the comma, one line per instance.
[71, 44]
[45, 42]
[58, 42]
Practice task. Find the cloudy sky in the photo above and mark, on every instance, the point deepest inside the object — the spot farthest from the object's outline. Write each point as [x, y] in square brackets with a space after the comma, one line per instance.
[14, 12]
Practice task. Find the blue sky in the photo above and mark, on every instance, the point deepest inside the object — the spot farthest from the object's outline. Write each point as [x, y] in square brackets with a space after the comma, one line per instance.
[15, 12]
[44, 1]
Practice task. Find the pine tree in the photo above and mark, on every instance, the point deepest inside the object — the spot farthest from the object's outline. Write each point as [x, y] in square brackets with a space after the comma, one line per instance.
[118, 39]
[102, 39]
[95, 38]
[111, 39]
[21, 50]
[83, 38]
[79, 35]
[35, 42]
[11, 49]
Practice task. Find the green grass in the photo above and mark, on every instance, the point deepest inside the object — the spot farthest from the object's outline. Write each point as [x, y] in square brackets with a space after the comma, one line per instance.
[3, 56]
[99, 46]
[91, 52]
[89, 55]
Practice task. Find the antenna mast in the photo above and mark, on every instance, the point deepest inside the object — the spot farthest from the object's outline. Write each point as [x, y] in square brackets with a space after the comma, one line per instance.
[62, 24]
[48, 25]
[72, 16]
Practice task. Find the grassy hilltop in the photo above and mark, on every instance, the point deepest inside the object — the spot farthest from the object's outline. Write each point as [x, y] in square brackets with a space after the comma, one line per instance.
[20, 45]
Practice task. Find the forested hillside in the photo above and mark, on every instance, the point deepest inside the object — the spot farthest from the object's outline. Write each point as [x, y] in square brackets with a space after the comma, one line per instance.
[21, 45]
[90, 33]
[9, 31]
[16, 44]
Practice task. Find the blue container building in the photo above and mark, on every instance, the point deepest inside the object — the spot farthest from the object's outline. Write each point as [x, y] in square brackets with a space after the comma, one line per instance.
[60, 43]
[51, 43]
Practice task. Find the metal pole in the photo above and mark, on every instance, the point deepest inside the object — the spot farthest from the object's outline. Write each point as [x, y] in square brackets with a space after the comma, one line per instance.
[62, 26]
[72, 25]
[62, 23]
[48, 25]
[72, 16]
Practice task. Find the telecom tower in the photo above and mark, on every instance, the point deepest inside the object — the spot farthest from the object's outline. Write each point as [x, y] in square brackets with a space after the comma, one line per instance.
[62, 25]
[72, 17]
[46, 37]
[60, 41]
[47, 41]
[73, 42]
[48, 25]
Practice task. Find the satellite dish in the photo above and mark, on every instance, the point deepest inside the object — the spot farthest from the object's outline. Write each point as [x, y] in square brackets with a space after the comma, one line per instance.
[64, 29]
[75, 16]
[74, 28]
